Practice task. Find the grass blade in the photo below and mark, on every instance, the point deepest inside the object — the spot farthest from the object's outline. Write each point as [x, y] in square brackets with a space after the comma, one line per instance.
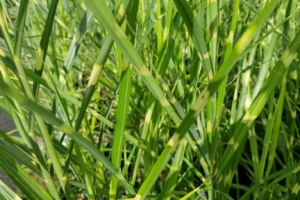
[29, 104]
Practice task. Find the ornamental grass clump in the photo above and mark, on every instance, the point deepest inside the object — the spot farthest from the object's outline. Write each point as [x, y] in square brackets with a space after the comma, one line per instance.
[169, 99]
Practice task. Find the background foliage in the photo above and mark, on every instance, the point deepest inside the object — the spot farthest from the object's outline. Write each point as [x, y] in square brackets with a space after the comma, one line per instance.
[156, 99]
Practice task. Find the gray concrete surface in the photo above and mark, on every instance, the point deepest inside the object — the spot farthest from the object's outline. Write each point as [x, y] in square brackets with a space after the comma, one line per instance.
[6, 125]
